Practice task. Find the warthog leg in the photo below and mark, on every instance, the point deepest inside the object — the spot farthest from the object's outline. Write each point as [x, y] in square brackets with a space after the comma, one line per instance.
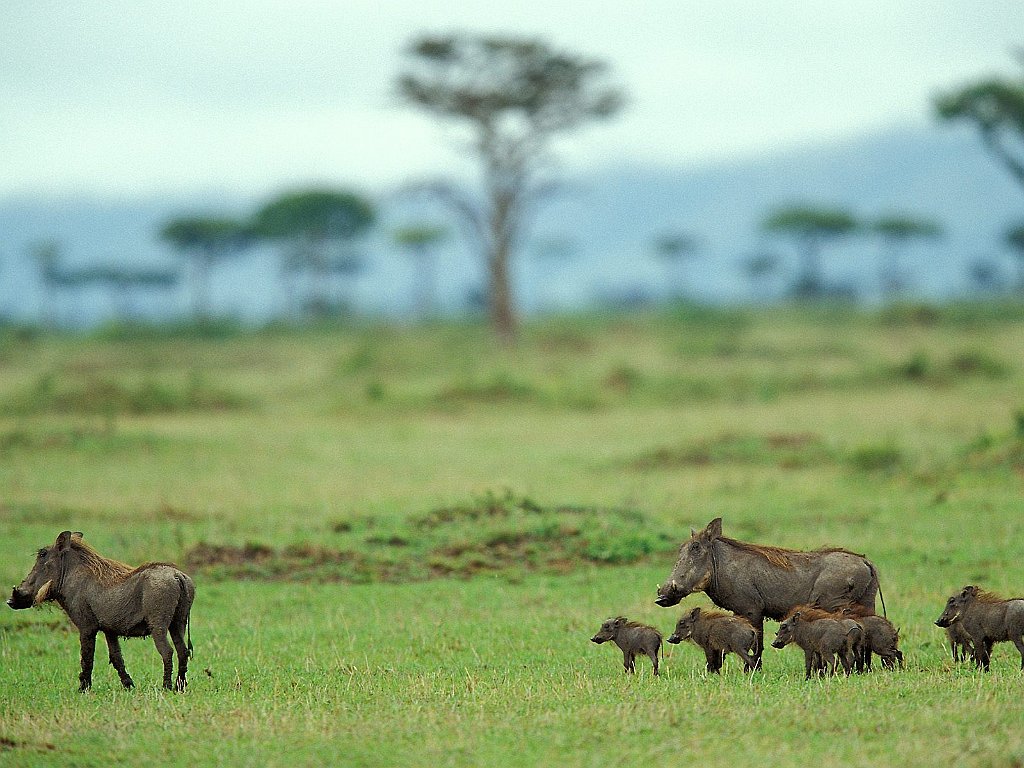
[116, 659]
[1019, 642]
[166, 654]
[88, 640]
[178, 637]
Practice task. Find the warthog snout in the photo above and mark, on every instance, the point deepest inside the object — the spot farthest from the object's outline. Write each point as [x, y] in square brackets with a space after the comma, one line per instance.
[598, 640]
[674, 639]
[669, 594]
[19, 599]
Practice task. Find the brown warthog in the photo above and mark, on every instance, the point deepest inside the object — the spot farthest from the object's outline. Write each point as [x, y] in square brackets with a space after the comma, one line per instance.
[987, 619]
[756, 581]
[823, 640]
[881, 638]
[103, 595]
[717, 633]
[960, 645]
[632, 638]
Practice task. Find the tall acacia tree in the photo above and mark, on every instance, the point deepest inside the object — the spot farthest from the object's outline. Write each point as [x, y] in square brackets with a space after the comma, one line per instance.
[317, 228]
[420, 240]
[897, 231]
[811, 228]
[204, 241]
[996, 107]
[674, 248]
[1014, 238]
[514, 95]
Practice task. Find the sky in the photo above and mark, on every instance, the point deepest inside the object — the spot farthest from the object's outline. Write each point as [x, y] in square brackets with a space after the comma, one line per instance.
[123, 99]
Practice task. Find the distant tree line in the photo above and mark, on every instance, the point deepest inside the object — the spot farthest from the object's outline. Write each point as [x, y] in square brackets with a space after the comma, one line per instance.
[512, 97]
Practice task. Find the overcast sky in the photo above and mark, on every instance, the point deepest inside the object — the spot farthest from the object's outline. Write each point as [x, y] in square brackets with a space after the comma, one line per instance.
[125, 98]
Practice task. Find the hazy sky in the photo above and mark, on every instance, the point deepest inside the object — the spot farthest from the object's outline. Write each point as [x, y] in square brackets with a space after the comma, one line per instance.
[123, 98]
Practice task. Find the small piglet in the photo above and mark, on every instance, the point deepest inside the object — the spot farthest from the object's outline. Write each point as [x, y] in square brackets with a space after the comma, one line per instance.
[823, 640]
[632, 639]
[880, 637]
[717, 634]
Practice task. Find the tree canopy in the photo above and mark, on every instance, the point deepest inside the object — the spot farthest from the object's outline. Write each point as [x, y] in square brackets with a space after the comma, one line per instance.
[996, 107]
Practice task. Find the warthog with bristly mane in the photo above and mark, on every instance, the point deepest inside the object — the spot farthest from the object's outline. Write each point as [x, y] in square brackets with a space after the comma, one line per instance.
[986, 619]
[758, 582]
[103, 595]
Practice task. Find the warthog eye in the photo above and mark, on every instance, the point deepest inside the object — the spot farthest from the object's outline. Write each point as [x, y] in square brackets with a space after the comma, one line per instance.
[695, 547]
[41, 553]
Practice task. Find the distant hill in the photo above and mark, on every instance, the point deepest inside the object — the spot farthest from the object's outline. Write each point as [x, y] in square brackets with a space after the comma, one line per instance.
[605, 222]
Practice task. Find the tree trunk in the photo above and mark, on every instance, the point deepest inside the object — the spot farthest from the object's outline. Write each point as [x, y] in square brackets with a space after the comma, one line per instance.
[501, 304]
[502, 312]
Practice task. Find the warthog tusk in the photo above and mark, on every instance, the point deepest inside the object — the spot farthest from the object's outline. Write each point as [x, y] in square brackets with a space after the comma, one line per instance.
[43, 593]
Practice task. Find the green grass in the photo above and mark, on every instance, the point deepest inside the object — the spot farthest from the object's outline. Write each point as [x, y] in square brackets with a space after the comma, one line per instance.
[402, 539]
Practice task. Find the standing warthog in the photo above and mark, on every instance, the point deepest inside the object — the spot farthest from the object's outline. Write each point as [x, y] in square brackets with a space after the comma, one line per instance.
[103, 595]
[632, 638]
[756, 581]
[822, 640]
[880, 637]
[987, 619]
[717, 634]
[960, 645]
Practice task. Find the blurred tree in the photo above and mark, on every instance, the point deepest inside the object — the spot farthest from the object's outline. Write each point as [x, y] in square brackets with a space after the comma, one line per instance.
[1015, 240]
[898, 230]
[674, 249]
[52, 277]
[514, 95]
[811, 228]
[549, 255]
[318, 228]
[205, 241]
[759, 267]
[985, 275]
[420, 241]
[123, 282]
[996, 107]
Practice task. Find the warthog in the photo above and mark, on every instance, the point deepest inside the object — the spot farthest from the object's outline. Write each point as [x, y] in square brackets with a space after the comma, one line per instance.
[960, 645]
[103, 595]
[881, 638]
[986, 619]
[759, 582]
[632, 638]
[717, 634]
[823, 640]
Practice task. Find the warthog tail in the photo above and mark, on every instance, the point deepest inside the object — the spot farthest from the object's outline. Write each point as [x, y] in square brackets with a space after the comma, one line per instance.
[878, 583]
[188, 613]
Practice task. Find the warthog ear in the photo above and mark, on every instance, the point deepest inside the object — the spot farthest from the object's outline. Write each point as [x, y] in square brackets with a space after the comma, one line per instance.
[695, 612]
[620, 620]
[77, 536]
[63, 541]
[43, 593]
[714, 528]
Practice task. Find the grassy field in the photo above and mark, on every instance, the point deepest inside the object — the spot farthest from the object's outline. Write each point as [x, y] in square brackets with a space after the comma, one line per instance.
[402, 539]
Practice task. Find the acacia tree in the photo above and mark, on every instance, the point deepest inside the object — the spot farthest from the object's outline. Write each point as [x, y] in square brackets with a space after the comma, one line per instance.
[811, 228]
[317, 228]
[514, 96]
[419, 240]
[1014, 238]
[996, 107]
[674, 248]
[897, 231]
[205, 241]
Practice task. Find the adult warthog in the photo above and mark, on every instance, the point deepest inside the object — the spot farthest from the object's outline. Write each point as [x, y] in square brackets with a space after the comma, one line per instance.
[760, 582]
[103, 595]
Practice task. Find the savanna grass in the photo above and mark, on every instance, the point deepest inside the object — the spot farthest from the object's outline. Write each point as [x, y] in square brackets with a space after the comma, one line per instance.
[804, 432]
